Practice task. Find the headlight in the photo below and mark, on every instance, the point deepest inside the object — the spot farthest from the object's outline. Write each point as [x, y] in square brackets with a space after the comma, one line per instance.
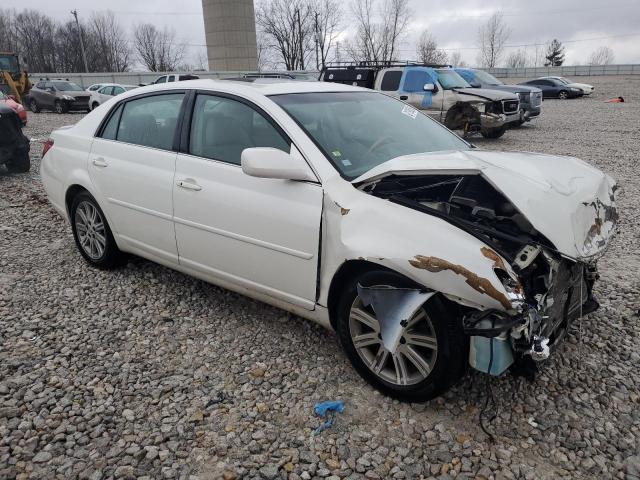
[480, 106]
[68, 97]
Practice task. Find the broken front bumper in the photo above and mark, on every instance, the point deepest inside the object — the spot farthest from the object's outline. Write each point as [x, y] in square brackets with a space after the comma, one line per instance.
[533, 329]
[491, 121]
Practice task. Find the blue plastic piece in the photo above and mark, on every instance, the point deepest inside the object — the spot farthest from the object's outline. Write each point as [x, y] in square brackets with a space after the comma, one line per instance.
[322, 408]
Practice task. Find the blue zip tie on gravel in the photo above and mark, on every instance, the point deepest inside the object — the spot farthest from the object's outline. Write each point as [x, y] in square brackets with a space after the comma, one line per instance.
[330, 408]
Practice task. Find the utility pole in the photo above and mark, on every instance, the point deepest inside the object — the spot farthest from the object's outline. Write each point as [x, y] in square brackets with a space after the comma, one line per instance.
[84, 55]
[317, 35]
[300, 40]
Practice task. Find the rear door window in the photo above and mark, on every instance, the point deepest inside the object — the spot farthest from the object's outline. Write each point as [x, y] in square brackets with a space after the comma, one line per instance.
[150, 121]
[391, 81]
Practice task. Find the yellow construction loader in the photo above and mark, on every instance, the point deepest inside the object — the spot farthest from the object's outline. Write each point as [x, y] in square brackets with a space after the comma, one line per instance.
[12, 80]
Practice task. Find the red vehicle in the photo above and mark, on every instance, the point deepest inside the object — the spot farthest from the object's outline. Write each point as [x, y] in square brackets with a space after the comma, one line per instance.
[10, 102]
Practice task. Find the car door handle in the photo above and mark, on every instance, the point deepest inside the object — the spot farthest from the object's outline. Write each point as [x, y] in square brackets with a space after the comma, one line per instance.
[99, 162]
[404, 97]
[189, 184]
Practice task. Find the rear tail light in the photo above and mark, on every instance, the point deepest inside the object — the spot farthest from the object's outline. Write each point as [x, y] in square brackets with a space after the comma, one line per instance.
[46, 146]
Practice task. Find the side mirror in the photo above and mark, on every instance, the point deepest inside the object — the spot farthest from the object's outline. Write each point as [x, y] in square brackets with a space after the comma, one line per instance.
[266, 162]
[430, 87]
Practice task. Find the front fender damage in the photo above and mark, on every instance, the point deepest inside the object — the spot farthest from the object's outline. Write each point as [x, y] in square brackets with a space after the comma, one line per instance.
[518, 292]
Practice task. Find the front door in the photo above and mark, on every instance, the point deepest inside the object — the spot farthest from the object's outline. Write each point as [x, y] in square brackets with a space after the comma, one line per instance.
[259, 233]
[132, 164]
[413, 82]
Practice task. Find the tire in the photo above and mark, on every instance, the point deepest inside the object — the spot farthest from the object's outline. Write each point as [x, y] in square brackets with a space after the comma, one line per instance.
[20, 164]
[563, 94]
[494, 132]
[94, 105]
[89, 235]
[33, 106]
[61, 107]
[447, 362]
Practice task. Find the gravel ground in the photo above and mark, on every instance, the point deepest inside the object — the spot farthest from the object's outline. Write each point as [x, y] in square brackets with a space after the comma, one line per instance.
[147, 373]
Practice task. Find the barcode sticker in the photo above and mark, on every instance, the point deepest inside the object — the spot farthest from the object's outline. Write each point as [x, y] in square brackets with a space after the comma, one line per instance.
[410, 111]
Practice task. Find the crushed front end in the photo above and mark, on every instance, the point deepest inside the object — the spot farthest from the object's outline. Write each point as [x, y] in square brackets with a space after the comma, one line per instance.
[547, 289]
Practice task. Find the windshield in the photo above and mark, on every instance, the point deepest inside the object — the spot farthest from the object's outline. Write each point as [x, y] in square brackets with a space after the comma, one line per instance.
[487, 79]
[360, 130]
[450, 79]
[67, 87]
[8, 63]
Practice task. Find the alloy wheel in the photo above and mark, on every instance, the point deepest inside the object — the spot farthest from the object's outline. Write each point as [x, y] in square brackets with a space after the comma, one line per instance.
[58, 107]
[563, 95]
[90, 228]
[413, 359]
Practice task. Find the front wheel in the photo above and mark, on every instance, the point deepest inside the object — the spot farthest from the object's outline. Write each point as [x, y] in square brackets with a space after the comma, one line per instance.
[61, 107]
[94, 105]
[92, 234]
[494, 132]
[563, 95]
[33, 105]
[429, 356]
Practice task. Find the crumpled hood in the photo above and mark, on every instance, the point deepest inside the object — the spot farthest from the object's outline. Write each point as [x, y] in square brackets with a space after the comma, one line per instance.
[568, 201]
[513, 88]
[486, 94]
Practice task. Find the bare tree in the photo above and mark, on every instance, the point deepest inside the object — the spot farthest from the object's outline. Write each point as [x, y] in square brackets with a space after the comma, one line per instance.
[601, 56]
[110, 42]
[378, 36]
[492, 37]
[158, 49]
[8, 37]
[35, 35]
[326, 17]
[68, 55]
[456, 59]
[428, 51]
[287, 27]
[517, 59]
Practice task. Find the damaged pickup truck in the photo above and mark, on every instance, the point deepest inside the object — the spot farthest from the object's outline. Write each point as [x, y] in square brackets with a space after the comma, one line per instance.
[346, 207]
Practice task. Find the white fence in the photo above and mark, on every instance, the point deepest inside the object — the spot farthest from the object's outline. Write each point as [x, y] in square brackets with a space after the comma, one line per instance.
[132, 78]
[575, 71]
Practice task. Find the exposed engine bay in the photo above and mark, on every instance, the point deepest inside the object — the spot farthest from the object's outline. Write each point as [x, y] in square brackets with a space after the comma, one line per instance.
[548, 291]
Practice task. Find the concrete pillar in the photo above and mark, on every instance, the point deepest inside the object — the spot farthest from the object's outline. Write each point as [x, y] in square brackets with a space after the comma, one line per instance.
[230, 30]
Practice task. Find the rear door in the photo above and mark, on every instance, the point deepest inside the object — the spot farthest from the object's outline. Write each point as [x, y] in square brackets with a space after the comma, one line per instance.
[259, 233]
[132, 163]
[48, 96]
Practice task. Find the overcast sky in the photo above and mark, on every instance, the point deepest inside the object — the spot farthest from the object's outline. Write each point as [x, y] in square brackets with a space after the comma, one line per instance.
[454, 23]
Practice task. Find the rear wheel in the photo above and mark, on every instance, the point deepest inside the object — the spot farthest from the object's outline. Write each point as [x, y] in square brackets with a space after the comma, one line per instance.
[431, 354]
[33, 105]
[563, 95]
[21, 163]
[92, 233]
[494, 132]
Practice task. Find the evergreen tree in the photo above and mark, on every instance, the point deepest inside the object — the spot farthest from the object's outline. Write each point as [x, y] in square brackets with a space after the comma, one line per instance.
[555, 54]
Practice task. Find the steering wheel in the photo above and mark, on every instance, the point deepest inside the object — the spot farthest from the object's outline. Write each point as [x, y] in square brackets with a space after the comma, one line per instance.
[381, 141]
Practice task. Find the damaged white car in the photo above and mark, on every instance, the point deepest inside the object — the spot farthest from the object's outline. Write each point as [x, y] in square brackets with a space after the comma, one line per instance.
[347, 207]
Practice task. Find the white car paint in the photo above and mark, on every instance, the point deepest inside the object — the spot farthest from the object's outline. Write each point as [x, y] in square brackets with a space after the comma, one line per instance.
[585, 87]
[106, 91]
[283, 241]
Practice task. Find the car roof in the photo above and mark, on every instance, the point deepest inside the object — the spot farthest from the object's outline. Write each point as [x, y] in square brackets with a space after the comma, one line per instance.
[272, 87]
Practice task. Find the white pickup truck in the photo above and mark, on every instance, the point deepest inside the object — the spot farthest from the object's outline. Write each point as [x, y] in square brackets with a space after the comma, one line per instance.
[438, 91]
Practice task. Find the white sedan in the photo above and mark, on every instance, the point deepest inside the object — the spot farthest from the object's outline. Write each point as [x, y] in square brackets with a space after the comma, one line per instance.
[105, 91]
[346, 207]
[585, 87]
